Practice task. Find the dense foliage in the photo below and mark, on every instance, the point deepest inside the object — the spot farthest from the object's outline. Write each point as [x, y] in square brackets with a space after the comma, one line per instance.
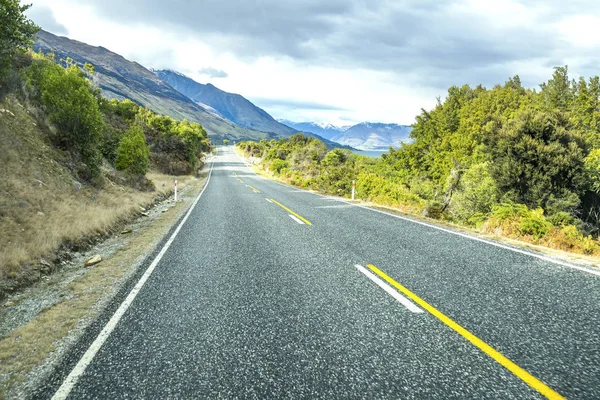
[95, 130]
[16, 32]
[508, 159]
[72, 107]
[133, 152]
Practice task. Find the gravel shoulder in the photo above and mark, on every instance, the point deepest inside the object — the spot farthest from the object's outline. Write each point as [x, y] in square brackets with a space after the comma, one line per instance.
[39, 325]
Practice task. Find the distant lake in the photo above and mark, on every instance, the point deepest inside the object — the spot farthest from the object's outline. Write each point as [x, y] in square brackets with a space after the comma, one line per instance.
[370, 153]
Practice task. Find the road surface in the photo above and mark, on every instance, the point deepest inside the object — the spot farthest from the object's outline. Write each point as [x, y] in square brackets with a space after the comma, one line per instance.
[267, 291]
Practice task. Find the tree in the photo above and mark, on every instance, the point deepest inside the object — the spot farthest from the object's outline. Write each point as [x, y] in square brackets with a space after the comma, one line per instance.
[16, 32]
[72, 107]
[537, 159]
[133, 152]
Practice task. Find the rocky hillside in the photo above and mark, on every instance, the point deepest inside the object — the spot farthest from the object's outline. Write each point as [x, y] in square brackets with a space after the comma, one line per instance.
[231, 106]
[120, 78]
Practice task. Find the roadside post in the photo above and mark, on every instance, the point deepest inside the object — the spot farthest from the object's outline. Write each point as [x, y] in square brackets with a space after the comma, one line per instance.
[353, 186]
[175, 189]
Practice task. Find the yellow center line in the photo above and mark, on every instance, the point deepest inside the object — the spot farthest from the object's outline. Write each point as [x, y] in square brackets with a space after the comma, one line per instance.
[307, 222]
[483, 346]
[253, 188]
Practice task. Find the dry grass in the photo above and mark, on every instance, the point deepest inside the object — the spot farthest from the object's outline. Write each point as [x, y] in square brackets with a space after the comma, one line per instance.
[28, 346]
[41, 207]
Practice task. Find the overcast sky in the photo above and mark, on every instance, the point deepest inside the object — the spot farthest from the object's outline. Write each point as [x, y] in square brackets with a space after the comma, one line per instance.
[340, 61]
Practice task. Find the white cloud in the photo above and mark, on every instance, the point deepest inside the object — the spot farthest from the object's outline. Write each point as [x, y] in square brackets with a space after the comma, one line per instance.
[381, 65]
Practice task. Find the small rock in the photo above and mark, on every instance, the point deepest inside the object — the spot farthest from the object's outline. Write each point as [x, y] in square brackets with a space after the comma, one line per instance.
[93, 261]
[41, 213]
[77, 185]
[6, 111]
[142, 208]
[165, 210]
[10, 304]
[145, 214]
[126, 231]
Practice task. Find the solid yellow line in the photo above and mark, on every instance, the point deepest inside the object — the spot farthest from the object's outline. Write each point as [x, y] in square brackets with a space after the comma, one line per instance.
[253, 188]
[483, 346]
[307, 222]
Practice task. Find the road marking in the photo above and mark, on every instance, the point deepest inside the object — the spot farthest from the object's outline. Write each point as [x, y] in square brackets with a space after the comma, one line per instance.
[338, 206]
[269, 200]
[296, 219]
[71, 380]
[403, 300]
[254, 189]
[464, 235]
[307, 222]
[525, 376]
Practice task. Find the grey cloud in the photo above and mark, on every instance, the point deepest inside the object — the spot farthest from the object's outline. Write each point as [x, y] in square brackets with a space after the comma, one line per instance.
[213, 72]
[435, 43]
[43, 17]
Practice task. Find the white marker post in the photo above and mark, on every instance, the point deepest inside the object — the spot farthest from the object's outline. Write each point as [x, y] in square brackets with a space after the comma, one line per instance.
[175, 189]
[353, 186]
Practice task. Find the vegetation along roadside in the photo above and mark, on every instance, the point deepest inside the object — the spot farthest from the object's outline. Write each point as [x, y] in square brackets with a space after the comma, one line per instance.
[516, 162]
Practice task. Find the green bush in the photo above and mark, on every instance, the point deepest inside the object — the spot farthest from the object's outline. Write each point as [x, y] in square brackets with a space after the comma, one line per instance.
[133, 152]
[277, 165]
[534, 226]
[476, 193]
[72, 107]
[561, 218]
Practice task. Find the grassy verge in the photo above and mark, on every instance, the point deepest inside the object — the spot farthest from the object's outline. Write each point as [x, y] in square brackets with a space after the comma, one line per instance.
[29, 352]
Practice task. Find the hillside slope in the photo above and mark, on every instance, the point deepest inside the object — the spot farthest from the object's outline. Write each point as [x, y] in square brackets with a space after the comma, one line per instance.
[120, 78]
[43, 206]
[232, 106]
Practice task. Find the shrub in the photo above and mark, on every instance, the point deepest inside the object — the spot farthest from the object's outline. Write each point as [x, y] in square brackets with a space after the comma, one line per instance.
[277, 165]
[133, 152]
[561, 218]
[476, 193]
[534, 226]
[72, 107]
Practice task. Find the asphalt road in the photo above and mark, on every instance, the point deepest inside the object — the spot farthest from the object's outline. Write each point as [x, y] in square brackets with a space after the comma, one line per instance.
[270, 292]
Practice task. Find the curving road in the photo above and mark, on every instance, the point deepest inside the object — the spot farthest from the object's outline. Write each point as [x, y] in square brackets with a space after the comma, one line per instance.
[267, 291]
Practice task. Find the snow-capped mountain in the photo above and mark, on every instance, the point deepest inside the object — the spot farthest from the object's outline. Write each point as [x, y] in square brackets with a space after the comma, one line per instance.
[363, 136]
[325, 130]
[374, 136]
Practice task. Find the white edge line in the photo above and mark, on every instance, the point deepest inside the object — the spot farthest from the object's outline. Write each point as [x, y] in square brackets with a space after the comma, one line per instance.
[71, 380]
[403, 300]
[439, 228]
[296, 219]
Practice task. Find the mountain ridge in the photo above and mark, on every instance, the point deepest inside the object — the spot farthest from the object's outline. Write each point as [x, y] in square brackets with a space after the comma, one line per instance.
[362, 136]
[231, 106]
[121, 78]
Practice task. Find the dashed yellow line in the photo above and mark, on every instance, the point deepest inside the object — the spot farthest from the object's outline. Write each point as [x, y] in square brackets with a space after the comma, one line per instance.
[307, 222]
[525, 376]
[253, 188]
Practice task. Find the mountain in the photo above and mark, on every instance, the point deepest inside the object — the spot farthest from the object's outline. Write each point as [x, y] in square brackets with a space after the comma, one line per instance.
[322, 129]
[231, 106]
[363, 136]
[123, 79]
[374, 136]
